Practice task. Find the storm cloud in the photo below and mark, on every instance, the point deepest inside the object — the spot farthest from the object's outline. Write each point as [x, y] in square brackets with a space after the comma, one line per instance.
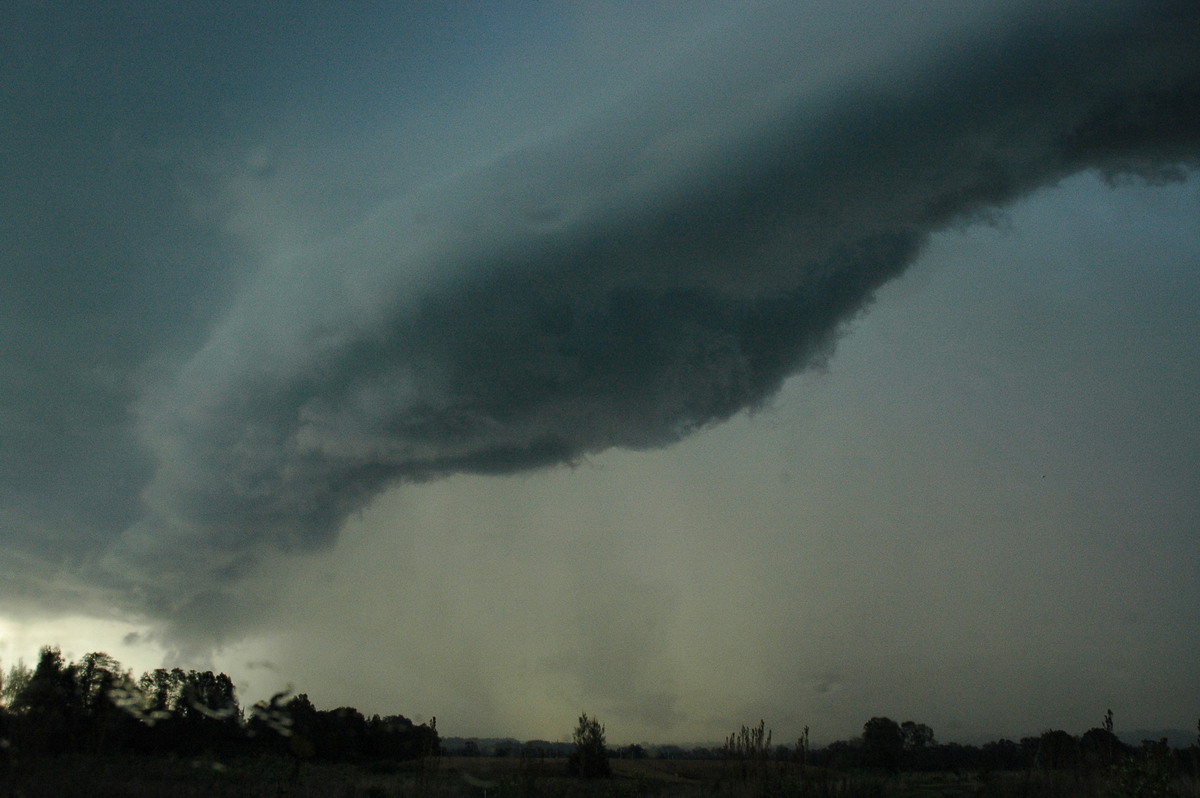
[647, 268]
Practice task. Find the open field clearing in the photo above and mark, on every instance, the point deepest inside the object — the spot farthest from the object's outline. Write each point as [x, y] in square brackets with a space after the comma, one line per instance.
[97, 777]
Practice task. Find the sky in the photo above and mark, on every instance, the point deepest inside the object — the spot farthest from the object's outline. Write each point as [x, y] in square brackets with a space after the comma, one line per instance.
[681, 364]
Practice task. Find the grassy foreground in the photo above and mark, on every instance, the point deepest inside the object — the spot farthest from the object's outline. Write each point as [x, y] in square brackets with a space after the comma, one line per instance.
[275, 777]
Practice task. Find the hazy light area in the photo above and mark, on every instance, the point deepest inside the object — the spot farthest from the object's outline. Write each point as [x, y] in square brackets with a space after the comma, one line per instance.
[685, 369]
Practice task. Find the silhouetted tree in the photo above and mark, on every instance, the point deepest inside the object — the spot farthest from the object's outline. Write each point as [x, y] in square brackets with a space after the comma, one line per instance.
[269, 725]
[883, 743]
[1194, 752]
[209, 695]
[919, 745]
[1002, 755]
[1057, 750]
[1149, 772]
[160, 704]
[96, 674]
[49, 709]
[398, 738]
[108, 726]
[1029, 751]
[632, 751]
[95, 706]
[16, 680]
[589, 760]
[916, 735]
[341, 734]
[304, 726]
[839, 754]
[207, 712]
[1099, 747]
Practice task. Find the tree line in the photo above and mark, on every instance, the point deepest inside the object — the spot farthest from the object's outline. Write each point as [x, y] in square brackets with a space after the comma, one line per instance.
[911, 746]
[892, 746]
[885, 746]
[96, 706]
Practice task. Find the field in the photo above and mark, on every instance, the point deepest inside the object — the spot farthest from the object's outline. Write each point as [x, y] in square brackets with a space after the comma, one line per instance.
[465, 777]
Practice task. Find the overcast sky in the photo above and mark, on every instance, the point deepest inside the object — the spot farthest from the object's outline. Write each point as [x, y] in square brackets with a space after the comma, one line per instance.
[684, 364]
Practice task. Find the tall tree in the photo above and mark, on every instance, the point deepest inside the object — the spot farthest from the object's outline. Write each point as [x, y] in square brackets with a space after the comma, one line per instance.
[1099, 746]
[917, 736]
[589, 760]
[883, 743]
[50, 707]
[163, 688]
[208, 713]
[16, 680]
[1057, 749]
[96, 676]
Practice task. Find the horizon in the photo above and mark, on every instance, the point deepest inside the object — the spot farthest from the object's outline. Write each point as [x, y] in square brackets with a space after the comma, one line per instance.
[1178, 737]
[694, 366]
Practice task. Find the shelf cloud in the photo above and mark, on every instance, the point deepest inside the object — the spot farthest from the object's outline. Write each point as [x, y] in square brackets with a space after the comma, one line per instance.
[645, 271]
[656, 258]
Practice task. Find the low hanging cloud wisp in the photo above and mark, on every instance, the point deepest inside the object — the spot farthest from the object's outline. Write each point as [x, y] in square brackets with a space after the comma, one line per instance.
[626, 280]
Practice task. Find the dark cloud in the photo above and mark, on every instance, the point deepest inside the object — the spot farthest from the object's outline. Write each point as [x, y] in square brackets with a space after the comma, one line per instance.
[621, 281]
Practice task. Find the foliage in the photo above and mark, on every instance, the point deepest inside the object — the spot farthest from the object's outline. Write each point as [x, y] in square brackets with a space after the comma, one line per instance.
[1147, 775]
[747, 751]
[96, 706]
[1057, 750]
[14, 682]
[589, 760]
[89, 728]
[917, 736]
[883, 743]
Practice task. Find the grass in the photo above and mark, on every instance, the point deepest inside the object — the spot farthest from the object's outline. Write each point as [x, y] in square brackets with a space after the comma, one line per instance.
[464, 777]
